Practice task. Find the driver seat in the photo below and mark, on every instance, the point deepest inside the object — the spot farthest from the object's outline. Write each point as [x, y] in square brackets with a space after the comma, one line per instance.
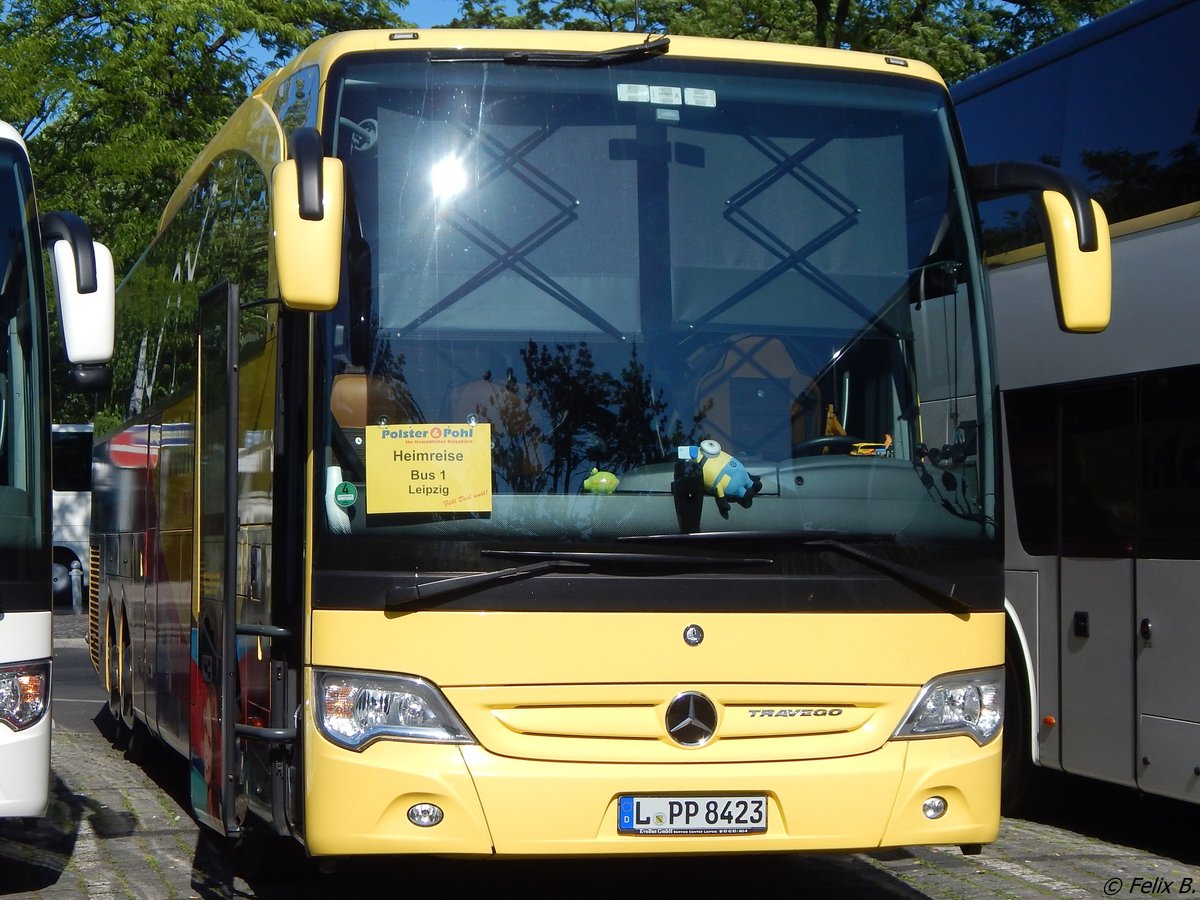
[756, 401]
[357, 399]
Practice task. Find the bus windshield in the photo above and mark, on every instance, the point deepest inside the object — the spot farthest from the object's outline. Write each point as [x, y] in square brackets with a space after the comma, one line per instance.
[23, 525]
[572, 292]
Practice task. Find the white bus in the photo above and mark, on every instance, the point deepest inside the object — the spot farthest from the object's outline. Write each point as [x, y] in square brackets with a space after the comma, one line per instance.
[84, 287]
[1102, 469]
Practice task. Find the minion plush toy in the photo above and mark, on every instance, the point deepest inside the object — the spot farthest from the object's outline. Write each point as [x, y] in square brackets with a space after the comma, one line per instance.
[724, 477]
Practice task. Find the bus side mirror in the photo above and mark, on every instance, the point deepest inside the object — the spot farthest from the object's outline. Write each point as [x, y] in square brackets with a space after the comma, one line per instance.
[307, 208]
[85, 287]
[1082, 279]
[1078, 245]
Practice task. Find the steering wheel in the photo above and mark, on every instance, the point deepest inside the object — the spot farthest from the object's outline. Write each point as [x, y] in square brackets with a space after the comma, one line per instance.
[832, 445]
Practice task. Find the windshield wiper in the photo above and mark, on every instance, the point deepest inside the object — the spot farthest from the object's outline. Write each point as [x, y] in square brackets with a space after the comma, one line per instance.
[402, 595]
[601, 558]
[546, 561]
[943, 589]
[632, 53]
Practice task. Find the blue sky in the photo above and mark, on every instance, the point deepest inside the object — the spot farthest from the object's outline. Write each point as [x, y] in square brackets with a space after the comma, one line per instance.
[428, 13]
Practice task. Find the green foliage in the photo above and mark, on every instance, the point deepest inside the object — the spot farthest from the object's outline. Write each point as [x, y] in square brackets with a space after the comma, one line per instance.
[115, 100]
[957, 37]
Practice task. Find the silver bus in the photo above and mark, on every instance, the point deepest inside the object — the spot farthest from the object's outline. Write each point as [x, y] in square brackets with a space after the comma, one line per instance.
[1102, 431]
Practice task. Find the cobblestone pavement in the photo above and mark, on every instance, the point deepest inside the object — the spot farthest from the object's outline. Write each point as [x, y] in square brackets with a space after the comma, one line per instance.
[116, 829]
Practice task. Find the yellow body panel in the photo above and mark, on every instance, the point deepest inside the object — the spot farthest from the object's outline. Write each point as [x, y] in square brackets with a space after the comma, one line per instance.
[568, 709]
[252, 129]
[357, 802]
[472, 649]
[498, 805]
[327, 50]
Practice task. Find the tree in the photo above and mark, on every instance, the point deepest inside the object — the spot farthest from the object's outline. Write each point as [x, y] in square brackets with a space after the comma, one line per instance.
[958, 37]
[645, 432]
[116, 98]
[577, 399]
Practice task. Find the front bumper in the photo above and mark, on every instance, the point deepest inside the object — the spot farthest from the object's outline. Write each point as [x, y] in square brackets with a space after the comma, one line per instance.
[357, 803]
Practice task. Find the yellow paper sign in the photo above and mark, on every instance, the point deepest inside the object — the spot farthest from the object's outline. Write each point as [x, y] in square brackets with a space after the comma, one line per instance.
[429, 468]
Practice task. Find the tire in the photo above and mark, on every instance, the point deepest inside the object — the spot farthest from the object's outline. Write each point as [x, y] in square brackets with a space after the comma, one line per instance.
[1016, 773]
[114, 667]
[127, 716]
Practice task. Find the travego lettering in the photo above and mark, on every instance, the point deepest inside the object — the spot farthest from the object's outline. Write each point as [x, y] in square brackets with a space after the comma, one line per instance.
[796, 711]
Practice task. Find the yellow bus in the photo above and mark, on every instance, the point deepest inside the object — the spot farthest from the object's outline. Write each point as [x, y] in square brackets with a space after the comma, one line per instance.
[539, 443]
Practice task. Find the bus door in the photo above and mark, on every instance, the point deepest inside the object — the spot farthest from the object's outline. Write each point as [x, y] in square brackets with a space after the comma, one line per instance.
[213, 643]
[1096, 572]
[239, 724]
[1167, 621]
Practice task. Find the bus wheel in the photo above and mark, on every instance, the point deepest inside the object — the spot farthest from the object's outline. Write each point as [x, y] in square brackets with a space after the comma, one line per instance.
[138, 740]
[1016, 765]
[114, 667]
[127, 717]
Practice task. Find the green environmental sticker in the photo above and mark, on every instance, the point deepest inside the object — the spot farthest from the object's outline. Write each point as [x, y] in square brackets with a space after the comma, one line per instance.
[345, 494]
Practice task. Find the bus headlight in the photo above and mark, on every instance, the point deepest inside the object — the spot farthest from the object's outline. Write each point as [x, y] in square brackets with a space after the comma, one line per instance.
[970, 703]
[24, 694]
[355, 709]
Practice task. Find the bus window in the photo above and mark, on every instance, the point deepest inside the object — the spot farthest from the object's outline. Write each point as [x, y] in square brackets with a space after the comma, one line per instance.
[71, 476]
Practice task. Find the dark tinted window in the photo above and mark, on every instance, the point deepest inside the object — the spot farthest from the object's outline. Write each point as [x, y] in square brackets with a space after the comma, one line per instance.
[1126, 486]
[22, 402]
[72, 460]
[1169, 497]
[1122, 114]
[1032, 423]
[1097, 470]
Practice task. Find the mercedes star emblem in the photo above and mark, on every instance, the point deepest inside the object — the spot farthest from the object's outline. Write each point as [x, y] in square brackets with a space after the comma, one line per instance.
[691, 719]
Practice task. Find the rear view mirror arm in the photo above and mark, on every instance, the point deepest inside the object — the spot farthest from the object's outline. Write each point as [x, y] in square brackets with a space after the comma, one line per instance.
[1002, 179]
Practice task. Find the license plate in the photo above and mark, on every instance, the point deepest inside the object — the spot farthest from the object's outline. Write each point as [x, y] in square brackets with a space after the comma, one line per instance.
[692, 815]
